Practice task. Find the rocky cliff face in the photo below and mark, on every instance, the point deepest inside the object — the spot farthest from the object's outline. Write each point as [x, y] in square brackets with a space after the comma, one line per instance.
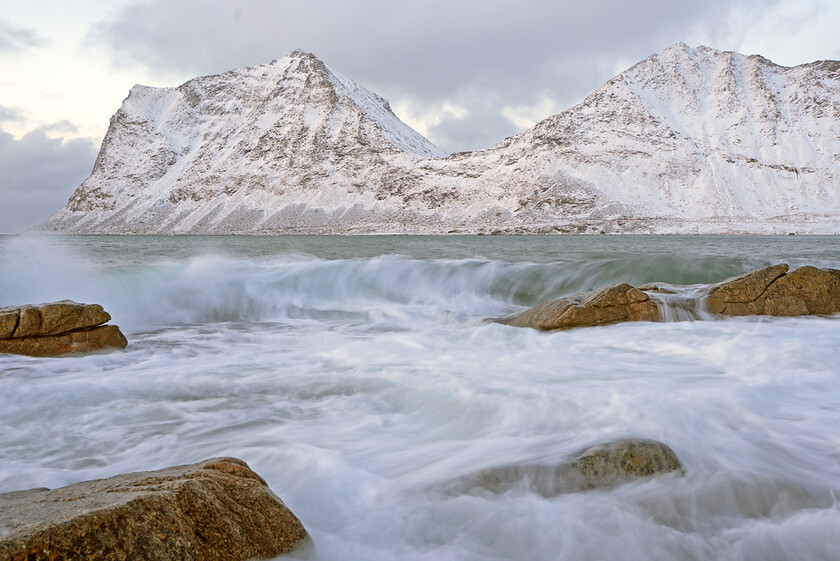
[688, 140]
[255, 149]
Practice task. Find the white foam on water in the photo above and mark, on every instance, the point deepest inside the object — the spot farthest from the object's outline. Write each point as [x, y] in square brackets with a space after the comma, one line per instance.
[356, 386]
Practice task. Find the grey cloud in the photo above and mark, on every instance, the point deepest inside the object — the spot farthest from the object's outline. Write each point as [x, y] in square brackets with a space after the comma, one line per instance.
[8, 114]
[61, 126]
[473, 131]
[421, 52]
[14, 38]
[37, 176]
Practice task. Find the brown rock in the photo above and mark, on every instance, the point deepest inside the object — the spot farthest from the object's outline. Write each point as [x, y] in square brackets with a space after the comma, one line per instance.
[770, 291]
[620, 461]
[658, 288]
[806, 290]
[57, 328]
[773, 291]
[211, 511]
[601, 466]
[743, 295]
[609, 304]
[85, 341]
[8, 322]
[787, 305]
[29, 322]
[55, 318]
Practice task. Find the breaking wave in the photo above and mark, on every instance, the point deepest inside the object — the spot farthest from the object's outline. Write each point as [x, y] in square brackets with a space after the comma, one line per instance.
[215, 287]
[357, 376]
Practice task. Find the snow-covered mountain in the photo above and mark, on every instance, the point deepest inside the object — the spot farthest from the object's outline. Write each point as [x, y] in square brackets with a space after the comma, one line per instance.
[688, 140]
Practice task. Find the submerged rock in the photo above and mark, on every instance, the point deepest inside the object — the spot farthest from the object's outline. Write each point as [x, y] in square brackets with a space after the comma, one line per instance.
[57, 328]
[599, 466]
[214, 510]
[609, 304]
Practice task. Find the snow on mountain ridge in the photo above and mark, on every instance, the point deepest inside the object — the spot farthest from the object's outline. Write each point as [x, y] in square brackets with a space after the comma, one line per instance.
[693, 133]
[687, 140]
[239, 146]
[380, 111]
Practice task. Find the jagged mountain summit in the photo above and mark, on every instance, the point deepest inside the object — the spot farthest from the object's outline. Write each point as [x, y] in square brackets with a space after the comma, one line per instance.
[245, 150]
[686, 141]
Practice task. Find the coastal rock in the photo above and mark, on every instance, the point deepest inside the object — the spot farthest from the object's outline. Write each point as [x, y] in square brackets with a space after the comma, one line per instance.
[743, 295]
[816, 291]
[775, 291]
[657, 288]
[50, 319]
[609, 304]
[57, 328]
[8, 322]
[770, 291]
[601, 466]
[214, 510]
[84, 341]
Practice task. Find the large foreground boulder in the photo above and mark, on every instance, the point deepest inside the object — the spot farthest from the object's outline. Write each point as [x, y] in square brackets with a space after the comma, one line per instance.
[216, 510]
[57, 328]
[776, 292]
[601, 466]
[609, 304]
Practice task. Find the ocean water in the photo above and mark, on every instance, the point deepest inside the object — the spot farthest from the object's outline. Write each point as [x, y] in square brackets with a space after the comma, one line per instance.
[358, 374]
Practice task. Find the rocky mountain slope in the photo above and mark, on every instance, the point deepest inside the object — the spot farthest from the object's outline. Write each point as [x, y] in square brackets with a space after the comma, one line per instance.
[688, 140]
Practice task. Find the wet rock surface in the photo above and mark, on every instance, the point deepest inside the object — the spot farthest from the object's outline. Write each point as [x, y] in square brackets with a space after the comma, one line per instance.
[601, 466]
[214, 510]
[57, 328]
[743, 295]
[610, 304]
[772, 291]
[776, 292]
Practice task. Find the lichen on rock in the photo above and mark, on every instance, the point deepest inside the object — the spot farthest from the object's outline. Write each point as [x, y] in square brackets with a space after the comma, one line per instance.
[771, 291]
[609, 304]
[774, 291]
[600, 466]
[57, 328]
[215, 510]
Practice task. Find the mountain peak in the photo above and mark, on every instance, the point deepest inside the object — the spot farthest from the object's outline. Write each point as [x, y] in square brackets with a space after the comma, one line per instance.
[300, 53]
[689, 140]
[679, 46]
[303, 57]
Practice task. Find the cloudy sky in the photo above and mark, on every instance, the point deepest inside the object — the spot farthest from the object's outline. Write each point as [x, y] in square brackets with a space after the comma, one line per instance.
[465, 73]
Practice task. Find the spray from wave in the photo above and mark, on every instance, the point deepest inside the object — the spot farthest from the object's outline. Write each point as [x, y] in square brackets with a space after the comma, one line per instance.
[356, 374]
[211, 287]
